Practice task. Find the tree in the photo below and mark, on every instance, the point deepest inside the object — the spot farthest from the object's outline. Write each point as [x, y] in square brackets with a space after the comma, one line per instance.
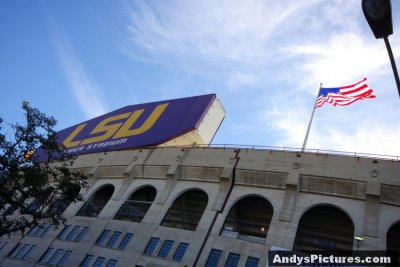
[34, 193]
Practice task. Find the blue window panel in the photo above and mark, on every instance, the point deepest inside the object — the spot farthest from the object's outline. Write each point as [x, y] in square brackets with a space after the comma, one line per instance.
[39, 230]
[29, 252]
[166, 247]
[151, 246]
[111, 263]
[16, 250]
[46, 255]
[20, 254]
[99, 262]
[213, 258]
[102, 237]
[64, 232]
[64, 258]
[48, 228]
[252, 262]
[32, 230]
[34, 206]
[86, 261]
[73, 233]
[114, 238]
[2, 244]
[82, 234]
[54, 259]
[180, 252]
[232, 260]
[125, 241]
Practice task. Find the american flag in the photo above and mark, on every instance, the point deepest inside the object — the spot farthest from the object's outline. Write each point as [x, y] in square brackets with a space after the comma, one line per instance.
[345, 95]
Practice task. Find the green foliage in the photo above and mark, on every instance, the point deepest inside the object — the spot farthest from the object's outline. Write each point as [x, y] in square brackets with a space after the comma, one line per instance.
[33, 193]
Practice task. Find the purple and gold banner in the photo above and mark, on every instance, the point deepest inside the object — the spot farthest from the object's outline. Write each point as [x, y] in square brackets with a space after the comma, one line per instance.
[134, 126]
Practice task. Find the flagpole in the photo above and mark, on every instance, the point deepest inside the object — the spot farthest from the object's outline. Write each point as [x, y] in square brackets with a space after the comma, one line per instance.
[311, 119]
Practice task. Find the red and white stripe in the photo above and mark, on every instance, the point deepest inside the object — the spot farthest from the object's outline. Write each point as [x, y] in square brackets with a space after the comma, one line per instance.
[347, 95]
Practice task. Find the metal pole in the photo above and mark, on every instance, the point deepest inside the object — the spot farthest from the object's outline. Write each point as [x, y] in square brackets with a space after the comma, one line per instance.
[396, 74]
[311, 119]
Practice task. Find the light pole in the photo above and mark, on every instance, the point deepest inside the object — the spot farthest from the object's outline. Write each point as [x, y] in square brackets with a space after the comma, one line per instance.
[379, 17]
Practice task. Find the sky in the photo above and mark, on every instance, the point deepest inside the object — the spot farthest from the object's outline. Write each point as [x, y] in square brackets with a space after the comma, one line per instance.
[264, 59]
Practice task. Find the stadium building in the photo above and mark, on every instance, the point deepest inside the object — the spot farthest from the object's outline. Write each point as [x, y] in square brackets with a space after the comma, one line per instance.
[160, 195]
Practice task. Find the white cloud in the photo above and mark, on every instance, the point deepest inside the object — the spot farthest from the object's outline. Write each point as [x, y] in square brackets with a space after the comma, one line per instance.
[345, 58]
[341, 132]
[292, 125]
[237, 80]
[281, 50]
[86, 91]
[210, 30]
[375, 139]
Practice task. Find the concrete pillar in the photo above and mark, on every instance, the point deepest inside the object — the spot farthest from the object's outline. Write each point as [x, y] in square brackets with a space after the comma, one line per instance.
[291, 193]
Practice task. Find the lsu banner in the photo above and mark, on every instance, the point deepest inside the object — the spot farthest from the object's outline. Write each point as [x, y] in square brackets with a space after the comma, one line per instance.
[134, 126]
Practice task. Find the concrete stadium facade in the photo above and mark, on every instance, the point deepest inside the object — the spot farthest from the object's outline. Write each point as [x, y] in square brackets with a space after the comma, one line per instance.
[216, 207]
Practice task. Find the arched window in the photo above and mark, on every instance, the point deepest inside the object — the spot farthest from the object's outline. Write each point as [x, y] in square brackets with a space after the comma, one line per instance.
[39, 200]
[64, 200]
[393, 239]
[96, 203]
[136, 207]
[324, 228]
[186, 211]
[249, 219]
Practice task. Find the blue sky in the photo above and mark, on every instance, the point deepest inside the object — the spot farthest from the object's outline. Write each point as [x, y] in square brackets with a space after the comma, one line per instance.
[264, 59]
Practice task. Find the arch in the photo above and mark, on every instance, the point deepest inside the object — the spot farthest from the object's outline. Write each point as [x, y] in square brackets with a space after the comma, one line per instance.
[393, 238]
[186, 210]
[64, 200]
[137, 205]
[249, 219]
[39, 200]
[323, 228]
[97, 202]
